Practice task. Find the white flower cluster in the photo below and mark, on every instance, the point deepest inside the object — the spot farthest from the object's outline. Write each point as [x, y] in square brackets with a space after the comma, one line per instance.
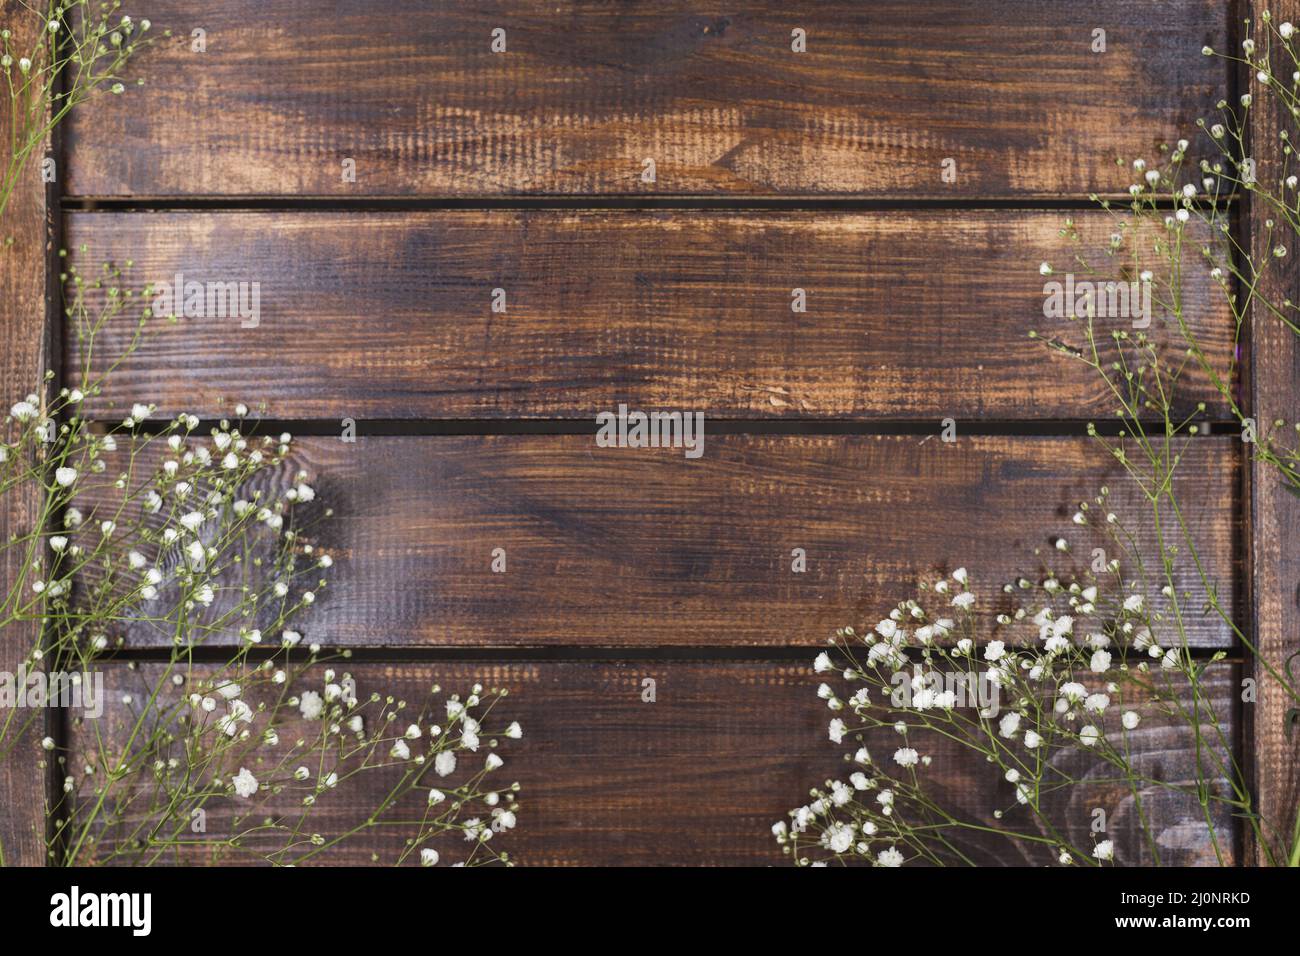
[246, 754]
[1066, 665]
[158, 525]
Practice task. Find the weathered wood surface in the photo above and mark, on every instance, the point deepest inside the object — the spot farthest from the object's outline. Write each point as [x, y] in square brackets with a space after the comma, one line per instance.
[390, 315]
[699, 775]
[1011, 90]
[1275, 511]
[644, 547]
[23, 360]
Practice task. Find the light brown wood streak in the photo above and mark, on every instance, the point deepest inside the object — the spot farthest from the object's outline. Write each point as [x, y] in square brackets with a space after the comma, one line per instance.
[644, 547]
[23, 360]
[910, 315]
[1275, 512]
[1009, 89]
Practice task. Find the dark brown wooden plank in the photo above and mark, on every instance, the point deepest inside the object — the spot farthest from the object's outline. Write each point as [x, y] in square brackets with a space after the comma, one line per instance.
[389, 315]
[699, 775]
[1275, 512]
[1009, 89]
[23, 360]
[634, 547]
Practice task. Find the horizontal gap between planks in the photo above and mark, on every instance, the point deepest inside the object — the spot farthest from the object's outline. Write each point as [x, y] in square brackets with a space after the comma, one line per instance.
[308, 428]
[487, 653]
[614, 203]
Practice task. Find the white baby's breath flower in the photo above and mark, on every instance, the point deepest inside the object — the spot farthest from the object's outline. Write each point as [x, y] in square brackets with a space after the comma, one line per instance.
[889, 858]
[906, 757]
[245, 783]
[1105, 850]
[311, 705]
[445, 763]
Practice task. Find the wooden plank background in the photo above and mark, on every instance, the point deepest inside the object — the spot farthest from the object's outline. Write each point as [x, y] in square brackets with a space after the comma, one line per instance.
[24, 356]
[388, 315]
[699, 775]
[1275, 510]
[775, 170]
[611, 547]
[410, 90]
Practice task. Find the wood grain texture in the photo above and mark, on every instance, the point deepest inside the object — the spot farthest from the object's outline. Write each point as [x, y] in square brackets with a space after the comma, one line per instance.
[643, 547]
[1275, 511]
[389, 315]
[23, 360]
[699, 775]
[1009, 89]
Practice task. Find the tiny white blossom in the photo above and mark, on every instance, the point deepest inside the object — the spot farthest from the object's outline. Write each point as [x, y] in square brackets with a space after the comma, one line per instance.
[906, 757]
[311, 705]
[445, 763]
[245, 783]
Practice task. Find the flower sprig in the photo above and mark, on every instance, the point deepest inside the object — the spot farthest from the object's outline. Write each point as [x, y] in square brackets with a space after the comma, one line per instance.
[1064, 675]
[81, 48]
[184, 536]
[1178, 218]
